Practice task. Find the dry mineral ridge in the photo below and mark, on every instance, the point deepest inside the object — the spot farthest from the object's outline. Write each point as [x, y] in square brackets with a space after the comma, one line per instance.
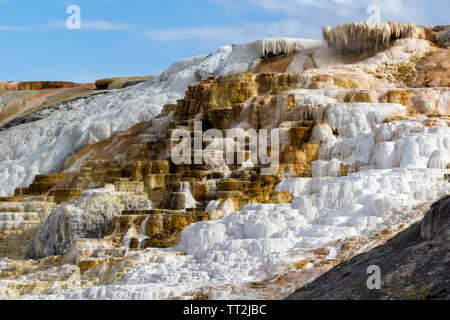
[92, 207]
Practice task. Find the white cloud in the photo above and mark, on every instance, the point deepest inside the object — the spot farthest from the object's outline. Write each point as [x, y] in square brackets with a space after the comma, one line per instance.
[106, 26]
[98, 25]
[290, 5]
[391, 9]
[231, 34]
[8, 28]
[85, 25]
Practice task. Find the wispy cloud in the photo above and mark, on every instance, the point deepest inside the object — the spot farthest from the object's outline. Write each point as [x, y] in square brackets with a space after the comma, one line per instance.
[394, 9]
[98, 25]
[106, 26]
[290, 7]
[287, 5]
[323, 12]
[230, 34]
[10, 28]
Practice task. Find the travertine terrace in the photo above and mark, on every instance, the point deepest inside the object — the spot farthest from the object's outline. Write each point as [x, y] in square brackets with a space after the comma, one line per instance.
[95, 208]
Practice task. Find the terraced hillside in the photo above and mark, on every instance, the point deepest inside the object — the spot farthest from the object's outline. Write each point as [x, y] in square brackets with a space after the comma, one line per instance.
[363, 151]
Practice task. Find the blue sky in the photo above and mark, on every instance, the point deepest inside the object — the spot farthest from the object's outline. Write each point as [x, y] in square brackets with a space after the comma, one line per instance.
[142, 37]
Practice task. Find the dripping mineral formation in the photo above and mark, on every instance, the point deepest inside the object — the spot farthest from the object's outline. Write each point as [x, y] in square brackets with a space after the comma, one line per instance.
[94, 207]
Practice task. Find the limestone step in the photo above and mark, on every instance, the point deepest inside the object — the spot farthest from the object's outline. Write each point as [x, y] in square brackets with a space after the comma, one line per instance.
[22, 192]
[39, 208]
[13, 199]
[135, 187]
[39, 199]
[18, 225]
[44, 182]
[148, 213]
[65, 195]
[93, 248]
[19, 216]
[139, 212]
[13, 207]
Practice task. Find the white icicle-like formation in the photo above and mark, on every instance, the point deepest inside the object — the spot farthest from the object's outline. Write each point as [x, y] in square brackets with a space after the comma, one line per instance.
[357, 38]
[276, 46]
[190, 202]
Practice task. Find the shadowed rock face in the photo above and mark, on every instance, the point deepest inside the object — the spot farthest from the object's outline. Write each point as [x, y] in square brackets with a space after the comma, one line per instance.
[444, 36]
[414, 265]
[118, 83]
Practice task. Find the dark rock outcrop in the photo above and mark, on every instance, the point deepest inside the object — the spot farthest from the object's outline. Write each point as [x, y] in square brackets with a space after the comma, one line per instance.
[414, 265]
[119, 82]
[444, 37]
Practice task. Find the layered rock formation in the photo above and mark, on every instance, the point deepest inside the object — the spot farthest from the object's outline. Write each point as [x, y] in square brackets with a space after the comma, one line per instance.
[37, 85]
[64, 130]
[23, 102]
[86, 217]
[364, 149]
[19, 222]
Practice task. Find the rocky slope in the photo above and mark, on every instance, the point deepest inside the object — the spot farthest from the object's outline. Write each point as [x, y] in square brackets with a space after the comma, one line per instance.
[64, 130]
[414, 265]
[364, 150]
[21, 102]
